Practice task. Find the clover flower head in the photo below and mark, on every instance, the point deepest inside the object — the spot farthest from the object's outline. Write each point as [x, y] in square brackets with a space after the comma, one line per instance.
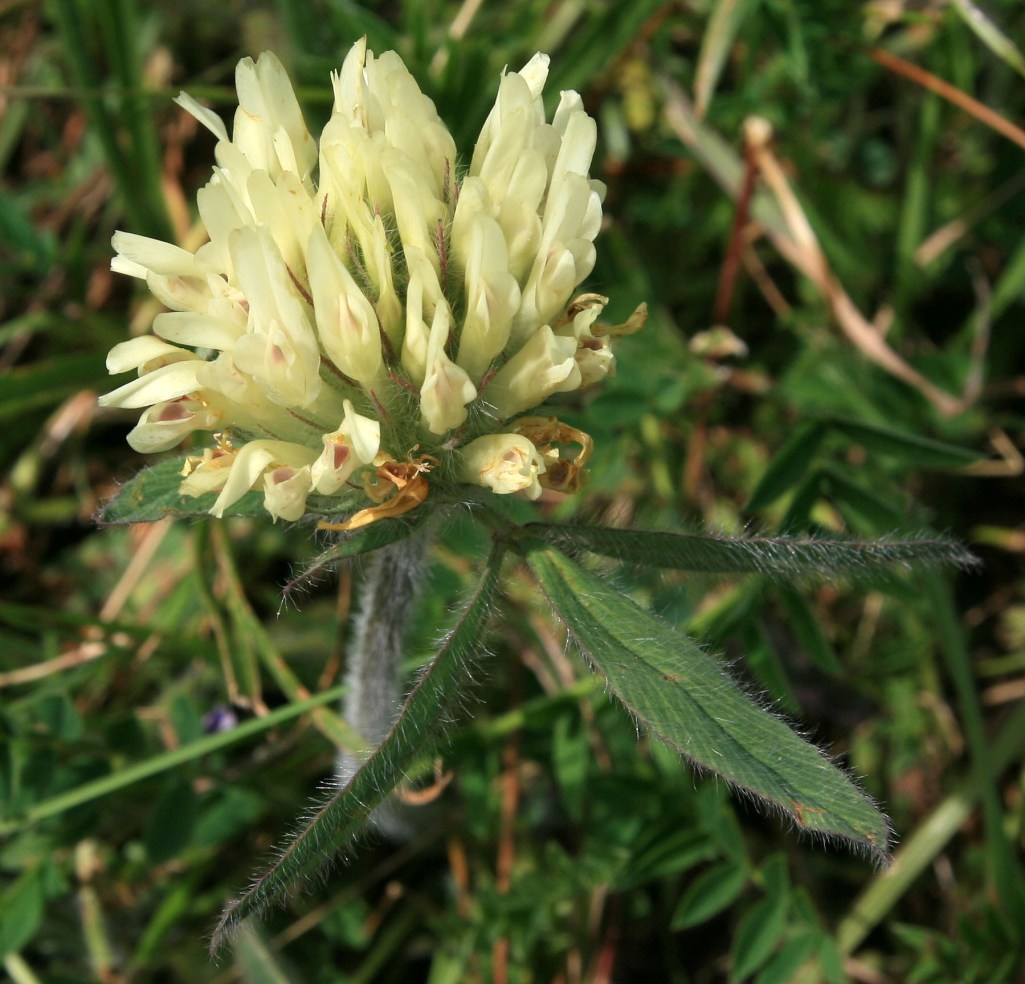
[369, 318]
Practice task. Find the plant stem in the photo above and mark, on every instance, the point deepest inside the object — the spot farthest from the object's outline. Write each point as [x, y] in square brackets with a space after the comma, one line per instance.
[374, 692]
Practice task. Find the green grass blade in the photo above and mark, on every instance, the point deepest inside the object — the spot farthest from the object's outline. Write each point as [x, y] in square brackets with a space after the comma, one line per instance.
[930, 838]
[162, 763]
[990, 35]
[684, 698]
[132, 163]
[789, 466]
[119, 27]
[255, 960]
[725, 21]
[908, 448]
[335, 823]
[45, 383]
[916, 203]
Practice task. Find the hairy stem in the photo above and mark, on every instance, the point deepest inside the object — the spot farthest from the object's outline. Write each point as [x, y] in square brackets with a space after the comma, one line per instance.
[374, 692]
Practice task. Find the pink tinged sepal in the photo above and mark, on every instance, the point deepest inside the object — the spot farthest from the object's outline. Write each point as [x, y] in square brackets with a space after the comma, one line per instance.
[163, 426]
[285, 490]
[254, 460]
[354, 444]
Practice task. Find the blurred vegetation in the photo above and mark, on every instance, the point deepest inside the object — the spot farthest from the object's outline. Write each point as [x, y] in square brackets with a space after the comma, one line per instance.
[826, 354]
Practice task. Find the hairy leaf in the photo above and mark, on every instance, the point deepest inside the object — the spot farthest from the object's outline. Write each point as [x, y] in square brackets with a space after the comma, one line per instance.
[335, 823]
[351, 544]
[154, 493]
[683, 697]
[780, 556]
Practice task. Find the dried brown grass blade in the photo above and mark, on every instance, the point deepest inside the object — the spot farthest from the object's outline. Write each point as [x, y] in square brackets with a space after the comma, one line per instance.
[787, 225]
[972, 106]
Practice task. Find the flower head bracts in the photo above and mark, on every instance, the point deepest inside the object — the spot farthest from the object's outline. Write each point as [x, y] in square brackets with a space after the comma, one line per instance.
[364, 316]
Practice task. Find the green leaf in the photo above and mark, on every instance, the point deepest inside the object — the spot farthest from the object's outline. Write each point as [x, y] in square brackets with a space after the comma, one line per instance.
[789, 959]
[256, 962]
[43, 384]
[756, 937]
[154, 493]
[802, 502]
[774, 878]
[789, 465]
[708, 894]
[171, 821]
[22, 908]
[908, 448]
[342, 817]
[30, 246]
[571, 761]
[684, 697]
[858, 504]
[351, 544]
[779, 556]
[809, 631]
[594, 42]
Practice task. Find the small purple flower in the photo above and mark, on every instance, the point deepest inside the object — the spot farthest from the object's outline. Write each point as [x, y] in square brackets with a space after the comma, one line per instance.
[219, 720]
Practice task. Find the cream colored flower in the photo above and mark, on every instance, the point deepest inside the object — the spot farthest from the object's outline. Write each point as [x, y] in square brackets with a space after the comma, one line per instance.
[355, 443]
[365, 306]
[503, 463]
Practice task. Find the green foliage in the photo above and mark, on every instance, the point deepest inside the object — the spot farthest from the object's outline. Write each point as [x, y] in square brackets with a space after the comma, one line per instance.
[681, 696]
[562, 846]
[338, 821]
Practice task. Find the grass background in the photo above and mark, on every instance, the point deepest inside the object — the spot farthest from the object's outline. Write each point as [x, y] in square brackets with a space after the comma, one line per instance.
[563, 847]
